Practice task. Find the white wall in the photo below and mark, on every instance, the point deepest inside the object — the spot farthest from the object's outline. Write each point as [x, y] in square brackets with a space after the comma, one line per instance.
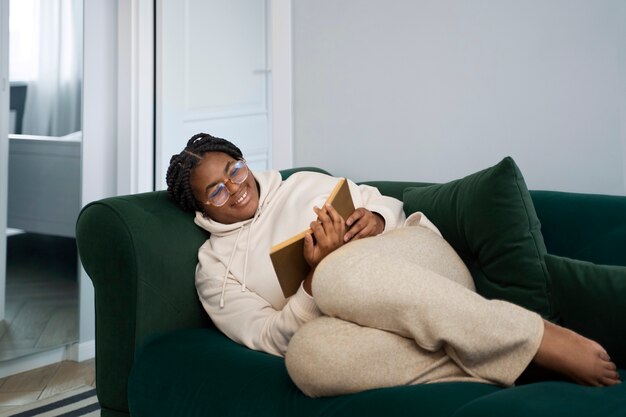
[433, 90]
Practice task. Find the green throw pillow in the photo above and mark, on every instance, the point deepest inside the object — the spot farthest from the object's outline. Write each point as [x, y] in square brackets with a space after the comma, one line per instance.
[591, 300]
[489, 219]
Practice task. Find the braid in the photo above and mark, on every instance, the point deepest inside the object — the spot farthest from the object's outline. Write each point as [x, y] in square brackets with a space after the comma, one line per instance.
[182, 164]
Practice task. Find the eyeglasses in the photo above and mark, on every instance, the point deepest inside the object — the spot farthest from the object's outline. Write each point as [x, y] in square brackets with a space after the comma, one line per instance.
[219, 194]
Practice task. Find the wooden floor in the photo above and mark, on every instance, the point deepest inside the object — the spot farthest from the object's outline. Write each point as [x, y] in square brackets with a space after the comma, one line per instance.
[38, 384]
[41, 314]
[41, 295]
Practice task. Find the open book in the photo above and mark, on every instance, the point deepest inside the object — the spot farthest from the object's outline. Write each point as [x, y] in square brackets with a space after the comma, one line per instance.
[288, 256]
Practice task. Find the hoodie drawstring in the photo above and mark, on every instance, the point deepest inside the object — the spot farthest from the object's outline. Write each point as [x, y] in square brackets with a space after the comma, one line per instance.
[245, 259]
[245, 262]
[230, 261]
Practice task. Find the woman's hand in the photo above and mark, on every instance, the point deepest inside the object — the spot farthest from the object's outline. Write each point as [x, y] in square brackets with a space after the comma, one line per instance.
[363, 223]
[328, 230]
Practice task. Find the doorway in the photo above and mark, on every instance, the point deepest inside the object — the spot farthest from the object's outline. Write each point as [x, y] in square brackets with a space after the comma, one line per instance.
[40, 291]
[213, 76]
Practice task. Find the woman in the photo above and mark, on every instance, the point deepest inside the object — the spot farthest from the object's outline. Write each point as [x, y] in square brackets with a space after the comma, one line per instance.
[367, 299]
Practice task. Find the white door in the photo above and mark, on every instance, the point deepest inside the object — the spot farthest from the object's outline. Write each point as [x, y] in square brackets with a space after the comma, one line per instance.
[4, 142]
[212, 77]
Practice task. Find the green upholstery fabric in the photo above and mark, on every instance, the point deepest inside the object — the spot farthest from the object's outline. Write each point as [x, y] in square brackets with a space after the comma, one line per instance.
[286, 173]
[395, 189]
[223, 378]
[550, 399]
[591, 299]
[589, 227]
[143, 249]
[141, 253]
[489, 219]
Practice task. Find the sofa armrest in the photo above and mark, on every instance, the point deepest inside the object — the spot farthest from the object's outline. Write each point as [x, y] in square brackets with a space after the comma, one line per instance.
[140, 252]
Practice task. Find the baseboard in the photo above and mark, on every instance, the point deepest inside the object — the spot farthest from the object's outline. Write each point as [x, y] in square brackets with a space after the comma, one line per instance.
[29, 362]
[75, 352]
[82, 351]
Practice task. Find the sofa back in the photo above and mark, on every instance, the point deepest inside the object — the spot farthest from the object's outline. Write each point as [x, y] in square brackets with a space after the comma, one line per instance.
[589, 227]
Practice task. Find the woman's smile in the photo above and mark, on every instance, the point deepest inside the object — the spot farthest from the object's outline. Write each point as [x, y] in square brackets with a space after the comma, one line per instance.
[242, 198]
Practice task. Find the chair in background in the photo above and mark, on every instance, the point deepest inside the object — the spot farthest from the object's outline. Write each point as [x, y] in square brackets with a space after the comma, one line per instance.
[18, 103]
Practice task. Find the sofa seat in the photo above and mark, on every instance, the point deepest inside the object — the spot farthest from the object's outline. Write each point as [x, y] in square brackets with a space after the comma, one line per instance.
[553, 399]
[190, 380]
[200, 372]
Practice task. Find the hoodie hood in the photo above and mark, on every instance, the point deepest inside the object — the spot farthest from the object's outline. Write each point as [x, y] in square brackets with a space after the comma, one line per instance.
[268, 181]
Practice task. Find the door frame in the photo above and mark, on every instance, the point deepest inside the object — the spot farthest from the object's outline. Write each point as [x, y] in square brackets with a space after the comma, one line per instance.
[135, 96]
[281, 108]
[4, 145]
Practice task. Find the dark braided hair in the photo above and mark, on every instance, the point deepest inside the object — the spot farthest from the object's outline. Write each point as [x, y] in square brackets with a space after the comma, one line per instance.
[181, 165]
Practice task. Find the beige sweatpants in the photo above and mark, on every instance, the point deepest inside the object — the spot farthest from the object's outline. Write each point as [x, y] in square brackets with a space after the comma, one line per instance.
[401, 309]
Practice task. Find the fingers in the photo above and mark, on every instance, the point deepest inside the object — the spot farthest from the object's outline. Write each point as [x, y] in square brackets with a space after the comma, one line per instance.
[310, 253]
[357, 231]
[308, 245]
[333, 214]
[326, 235]
[356, 223]
[330, 220]
[363, 223]
[355, 216]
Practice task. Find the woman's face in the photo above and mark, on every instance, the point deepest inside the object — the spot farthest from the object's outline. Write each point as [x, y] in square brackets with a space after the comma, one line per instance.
[243, 201]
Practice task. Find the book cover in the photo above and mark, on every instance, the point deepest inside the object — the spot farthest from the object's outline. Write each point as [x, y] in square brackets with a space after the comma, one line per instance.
[288, 256]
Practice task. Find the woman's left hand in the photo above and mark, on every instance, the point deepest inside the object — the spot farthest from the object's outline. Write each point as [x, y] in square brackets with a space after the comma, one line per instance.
[363, 223]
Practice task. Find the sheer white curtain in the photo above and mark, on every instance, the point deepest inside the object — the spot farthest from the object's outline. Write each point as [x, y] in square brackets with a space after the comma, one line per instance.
[53, 103]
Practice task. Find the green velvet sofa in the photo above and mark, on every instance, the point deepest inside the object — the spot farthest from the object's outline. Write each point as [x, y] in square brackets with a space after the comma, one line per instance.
[158, 354]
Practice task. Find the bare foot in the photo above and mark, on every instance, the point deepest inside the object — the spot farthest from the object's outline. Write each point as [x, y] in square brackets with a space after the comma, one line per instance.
[575, 356]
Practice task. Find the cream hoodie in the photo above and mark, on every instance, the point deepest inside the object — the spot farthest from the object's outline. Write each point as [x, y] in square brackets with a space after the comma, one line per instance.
[235, 278]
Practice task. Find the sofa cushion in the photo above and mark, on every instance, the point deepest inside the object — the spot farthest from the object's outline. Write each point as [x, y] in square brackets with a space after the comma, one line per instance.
[591, 299]
[489, 219]
[554, 399]
[200, 372]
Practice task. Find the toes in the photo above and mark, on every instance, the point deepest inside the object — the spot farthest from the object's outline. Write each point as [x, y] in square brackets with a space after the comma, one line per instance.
[607, 382]
[604, 355]
[610, 377]
[614, 375]
[599, 382]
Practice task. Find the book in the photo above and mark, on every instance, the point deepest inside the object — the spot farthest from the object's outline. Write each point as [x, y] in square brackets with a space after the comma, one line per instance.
[288, 256]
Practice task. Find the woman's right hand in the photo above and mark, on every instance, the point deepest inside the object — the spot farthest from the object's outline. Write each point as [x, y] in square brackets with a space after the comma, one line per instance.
[328, 230]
